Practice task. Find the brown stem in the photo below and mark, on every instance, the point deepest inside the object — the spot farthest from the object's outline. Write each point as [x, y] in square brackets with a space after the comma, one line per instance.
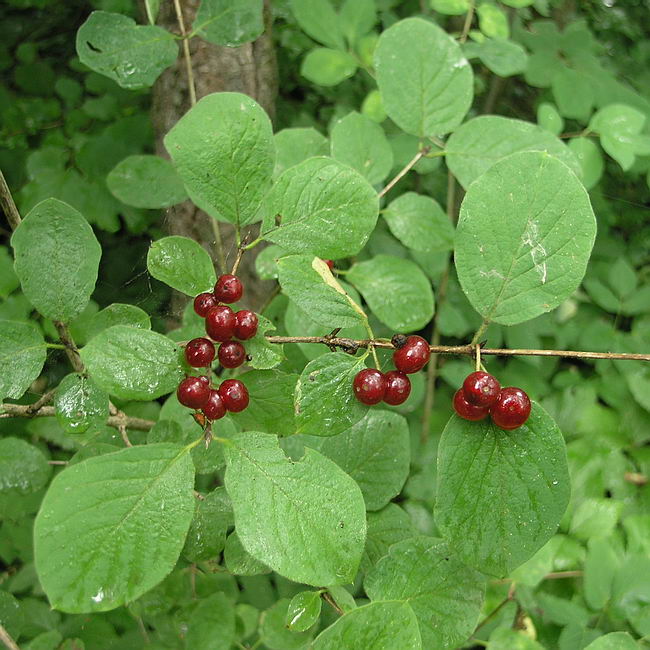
[328, 599]
[7, 640]
[46, 398]
[406, 169]
[635, 478]
[468, 22]
[115, 421]
[70, 347]
[8, 205]
[186, 52]
[350, 344]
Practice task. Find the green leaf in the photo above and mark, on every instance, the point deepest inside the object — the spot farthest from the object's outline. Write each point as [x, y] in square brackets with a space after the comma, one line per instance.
[229, 22]
[133, 363]
[325, 208]
[614, 641]
[279, 504]
[546, 230]
[310, 284]
[590, 158]
[146, 182]
[425, 81]
[206, 536]
[375, 452]
[274, 632]
[118, 314]
[239, 561]
[420, 223]
[212, 624]
[79, 403]
[396, 290]
[373, 107]
[264, 355]
[8, 279]
[132, 55]
[295, 145]
[501, 494]
[504, 58]
[303, 611]
[548, 118]
[385, 528]
[318, 19]
[57, 257]
[327, 67]
[619, 127]
[450, 7]
[361, 143]
[22, 355]
[93, 542]
[507, 639]
[492, 21]
[445, 595]
[223, 150]
[11, 615]
[152, 7]
[182, 264]
[574, 94]
[600, 567]
[357, 18]
[485, 140]
[23, 468]
[595, 517]
[324, 401]
[271, 402]
[377, 626]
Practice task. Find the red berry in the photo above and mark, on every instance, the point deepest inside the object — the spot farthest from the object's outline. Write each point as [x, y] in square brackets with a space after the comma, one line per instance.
[511, 408]
[412, 356]
[205, 380]
[193, 392]
[232, 354]
[398, 387]
[466, 410]
[220, 323]
[369, 386]
[199, 353]
[481, 388]
[215, 408]
[246, 325]
[234, 395]
[330, 263]
[228, 288]
[203, 303]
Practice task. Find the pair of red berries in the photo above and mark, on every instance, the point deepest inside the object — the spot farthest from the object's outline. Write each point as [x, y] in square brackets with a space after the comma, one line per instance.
[196, 393]
[481, 394]
[371, 386]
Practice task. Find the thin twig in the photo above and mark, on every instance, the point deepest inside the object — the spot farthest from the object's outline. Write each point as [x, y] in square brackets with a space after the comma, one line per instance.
[122, 429]
[44, 399]
[494, 612]
[22, 411]
[328, 599]
[8, 205]
[407, 168]
[57, 462]
[70, 347]
[186, 52]
[349, 344]
[7, 640]
[240, 253]
[468, 22]
[635, 478]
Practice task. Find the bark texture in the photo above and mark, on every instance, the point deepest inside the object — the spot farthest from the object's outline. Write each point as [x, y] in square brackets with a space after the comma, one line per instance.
[250, 69]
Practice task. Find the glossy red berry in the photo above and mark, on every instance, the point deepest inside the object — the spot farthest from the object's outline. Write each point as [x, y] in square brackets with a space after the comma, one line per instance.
[232, 354]
[205, 380]
[481, 388]
[234, 395]
[329, 263]
[511, 409]
[369, 386]
[193, 392]
[413, 355]
[245, 325]
[466, 410]
[220, 323]
[215, 408]
[228, 288]
[203, 303]
[199, 353]
[398, 387]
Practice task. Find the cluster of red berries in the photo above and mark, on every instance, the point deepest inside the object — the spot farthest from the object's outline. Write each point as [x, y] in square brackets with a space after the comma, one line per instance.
[481, 395]
[222, 324]
[372, 386]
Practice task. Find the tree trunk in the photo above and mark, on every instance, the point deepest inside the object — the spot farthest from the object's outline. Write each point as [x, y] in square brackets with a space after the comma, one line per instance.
[250, 69]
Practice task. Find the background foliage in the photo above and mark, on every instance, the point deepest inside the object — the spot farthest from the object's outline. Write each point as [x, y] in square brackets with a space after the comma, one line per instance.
[566, 78]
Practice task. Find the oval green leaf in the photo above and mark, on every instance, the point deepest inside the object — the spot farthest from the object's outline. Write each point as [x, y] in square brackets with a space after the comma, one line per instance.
[112, 527]
[425, 81]
[23, 468]
[223, 150]
[229, 22]
[57, 259]
[79, 402]
[280, 505]
[182, 264]
[524, 237]
[22, 355]
[303, 611]
[501, 494]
